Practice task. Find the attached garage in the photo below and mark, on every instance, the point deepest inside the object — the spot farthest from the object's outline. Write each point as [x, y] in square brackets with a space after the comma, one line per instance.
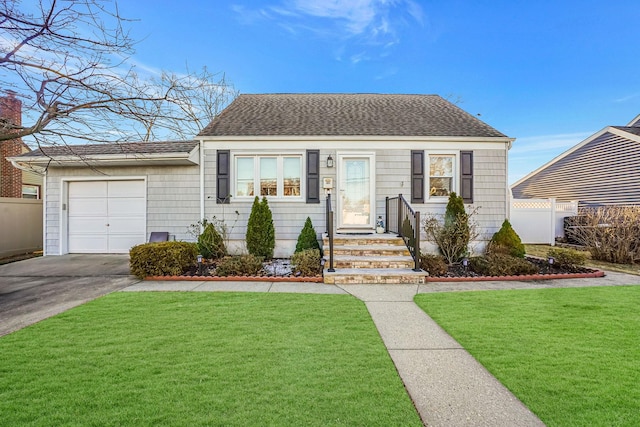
[106, 216]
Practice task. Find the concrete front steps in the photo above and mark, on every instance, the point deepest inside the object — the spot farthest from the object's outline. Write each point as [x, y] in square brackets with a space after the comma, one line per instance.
[370, 258]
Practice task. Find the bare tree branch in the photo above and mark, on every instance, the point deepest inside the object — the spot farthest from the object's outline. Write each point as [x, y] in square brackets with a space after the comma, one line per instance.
[67, 62]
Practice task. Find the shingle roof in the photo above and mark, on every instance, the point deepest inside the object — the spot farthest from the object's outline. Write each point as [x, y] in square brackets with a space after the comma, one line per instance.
[346, 115]
[630, 129]
[115, 149]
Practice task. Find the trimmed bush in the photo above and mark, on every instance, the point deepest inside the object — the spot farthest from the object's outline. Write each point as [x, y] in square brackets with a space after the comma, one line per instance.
[306, 263]
[567, 259]
[498, 264]
[435, 265]
[455, 208]
[506, 240]
[210, 242]
[162, 258]
[307, 238]
[261, 234]
[240, 265]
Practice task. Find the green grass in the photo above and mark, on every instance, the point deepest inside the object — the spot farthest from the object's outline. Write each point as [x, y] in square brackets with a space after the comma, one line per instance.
[220, 359]
[571, 355]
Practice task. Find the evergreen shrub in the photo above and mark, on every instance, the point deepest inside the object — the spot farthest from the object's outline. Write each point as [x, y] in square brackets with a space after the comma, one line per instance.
[162, 258]
[210, 243]
[307, 238]
[506, 240]
[306, 263]
[239, 265]
[261, 234]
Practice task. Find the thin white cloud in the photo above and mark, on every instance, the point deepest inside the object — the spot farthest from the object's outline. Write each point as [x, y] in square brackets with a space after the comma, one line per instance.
[627, 98]
[357, 24]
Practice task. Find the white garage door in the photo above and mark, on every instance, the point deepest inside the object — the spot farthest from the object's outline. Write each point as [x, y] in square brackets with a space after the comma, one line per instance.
[106, 216]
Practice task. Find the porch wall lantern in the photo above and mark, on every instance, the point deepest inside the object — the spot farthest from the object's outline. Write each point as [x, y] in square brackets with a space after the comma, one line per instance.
[329, 161]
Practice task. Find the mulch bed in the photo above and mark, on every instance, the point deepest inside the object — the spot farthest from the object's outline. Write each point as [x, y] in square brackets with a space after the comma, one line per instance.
[457, 273]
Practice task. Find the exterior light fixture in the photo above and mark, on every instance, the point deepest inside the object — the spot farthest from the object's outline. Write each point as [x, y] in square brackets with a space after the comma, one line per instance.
[551, 260]
[199, 259]
[465, 263]
[329, 161]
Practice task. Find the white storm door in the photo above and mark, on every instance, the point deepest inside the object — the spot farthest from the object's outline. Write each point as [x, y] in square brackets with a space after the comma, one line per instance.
[106, 216]
[356, 192]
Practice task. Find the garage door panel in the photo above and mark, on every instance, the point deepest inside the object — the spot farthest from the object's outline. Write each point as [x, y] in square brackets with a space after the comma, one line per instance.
[124, 225]
[87, 225]
[127, 189]
[97, 244]
[86, 207]
[119, 206]
[92, 189]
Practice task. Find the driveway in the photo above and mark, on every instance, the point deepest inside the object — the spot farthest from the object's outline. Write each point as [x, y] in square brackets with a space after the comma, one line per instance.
[38, 288]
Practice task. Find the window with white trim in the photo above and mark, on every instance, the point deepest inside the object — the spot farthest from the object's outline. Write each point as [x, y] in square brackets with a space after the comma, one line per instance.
[268, 175]
[441, 174]
[30, 191]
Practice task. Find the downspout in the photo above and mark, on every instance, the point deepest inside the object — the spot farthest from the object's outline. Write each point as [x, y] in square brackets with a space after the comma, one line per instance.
[201, 180]
[509, 144]
[44, 213]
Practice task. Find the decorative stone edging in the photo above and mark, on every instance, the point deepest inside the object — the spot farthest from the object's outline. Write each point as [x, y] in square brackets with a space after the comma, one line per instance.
[595, 273]
[236, 279]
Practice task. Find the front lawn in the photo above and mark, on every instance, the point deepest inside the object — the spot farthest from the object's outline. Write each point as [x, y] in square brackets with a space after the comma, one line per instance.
[203, 359]
[571, 355]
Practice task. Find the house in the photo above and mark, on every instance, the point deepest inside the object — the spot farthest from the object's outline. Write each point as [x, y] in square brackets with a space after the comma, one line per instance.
[604, 169]
[292, 149]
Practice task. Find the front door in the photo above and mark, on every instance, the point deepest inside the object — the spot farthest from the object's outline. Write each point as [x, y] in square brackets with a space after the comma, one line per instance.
[356, 192]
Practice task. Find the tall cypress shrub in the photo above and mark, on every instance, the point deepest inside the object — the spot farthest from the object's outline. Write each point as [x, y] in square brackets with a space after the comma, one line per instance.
[261, 234]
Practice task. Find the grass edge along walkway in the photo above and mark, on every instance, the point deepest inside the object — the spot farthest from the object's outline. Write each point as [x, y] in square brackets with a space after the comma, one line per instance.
[571, 355]
[203, 359]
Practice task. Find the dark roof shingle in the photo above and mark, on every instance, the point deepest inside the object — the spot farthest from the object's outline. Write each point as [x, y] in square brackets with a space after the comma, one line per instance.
[346, 115]
[115, 149]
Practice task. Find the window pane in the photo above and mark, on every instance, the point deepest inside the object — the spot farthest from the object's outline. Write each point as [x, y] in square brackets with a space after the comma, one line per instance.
[292, 176]
[440, 175]
[244, 173]
[268, 176]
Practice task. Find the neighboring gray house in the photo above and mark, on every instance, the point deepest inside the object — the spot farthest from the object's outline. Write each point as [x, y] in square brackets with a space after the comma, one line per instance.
[291, 148]
[604, 169]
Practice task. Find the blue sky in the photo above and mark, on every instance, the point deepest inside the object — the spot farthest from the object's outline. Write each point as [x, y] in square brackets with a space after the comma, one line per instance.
[549, 73]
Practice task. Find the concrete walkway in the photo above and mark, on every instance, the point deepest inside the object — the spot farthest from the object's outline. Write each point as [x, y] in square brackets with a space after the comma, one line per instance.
[447, 385]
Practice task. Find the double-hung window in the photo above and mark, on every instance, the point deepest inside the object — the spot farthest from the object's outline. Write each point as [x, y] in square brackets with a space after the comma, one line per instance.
[267, 175]
[441, 174]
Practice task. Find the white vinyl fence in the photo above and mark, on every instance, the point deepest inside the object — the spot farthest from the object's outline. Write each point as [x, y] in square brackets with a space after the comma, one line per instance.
[540, 221]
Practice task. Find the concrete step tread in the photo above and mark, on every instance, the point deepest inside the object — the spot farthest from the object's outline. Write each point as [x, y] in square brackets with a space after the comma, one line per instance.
[375, 272]
[369, 247]
[372, 258]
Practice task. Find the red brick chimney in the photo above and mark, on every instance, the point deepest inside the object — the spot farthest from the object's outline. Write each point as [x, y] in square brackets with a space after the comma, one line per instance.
[10, 177]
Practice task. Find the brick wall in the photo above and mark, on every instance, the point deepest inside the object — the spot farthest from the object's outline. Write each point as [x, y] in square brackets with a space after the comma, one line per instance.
[10, 177]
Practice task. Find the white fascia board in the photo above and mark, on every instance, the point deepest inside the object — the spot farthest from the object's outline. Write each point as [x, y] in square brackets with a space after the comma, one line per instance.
[635, 120]
[375, 142]
[565, 154]
[111, 159]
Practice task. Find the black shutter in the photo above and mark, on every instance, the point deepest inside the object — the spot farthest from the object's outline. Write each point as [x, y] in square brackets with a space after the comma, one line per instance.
[223, 176]
[313, 176]
[466, 176]
[417, 176]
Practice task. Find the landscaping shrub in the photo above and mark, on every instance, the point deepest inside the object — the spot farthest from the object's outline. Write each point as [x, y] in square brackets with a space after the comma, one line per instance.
[261, 234]
[610, 233]
[162, 258]
[307, 238]
[407, 232]
[506, 240]
[210, 242]
[498, 264]
[434, 264]
[239, 265]
[306, 263]
[453, 235]
[567, 259]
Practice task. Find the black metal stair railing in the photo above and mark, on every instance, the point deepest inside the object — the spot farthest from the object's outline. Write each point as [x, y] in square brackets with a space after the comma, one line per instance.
[329, 223]
[404, 221]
